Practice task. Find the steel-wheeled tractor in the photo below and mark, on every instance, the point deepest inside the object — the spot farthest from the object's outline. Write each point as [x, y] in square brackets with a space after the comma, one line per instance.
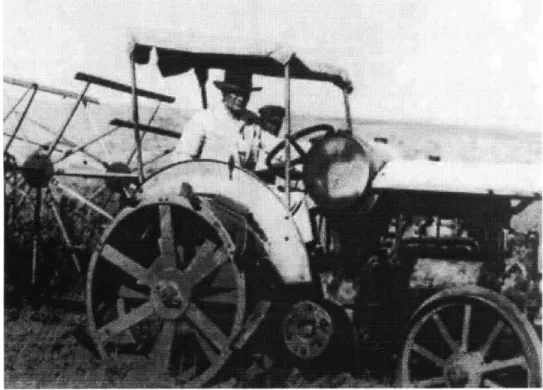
[406, 258]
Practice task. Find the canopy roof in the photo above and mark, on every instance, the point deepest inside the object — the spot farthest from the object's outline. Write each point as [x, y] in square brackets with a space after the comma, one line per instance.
[183, 50]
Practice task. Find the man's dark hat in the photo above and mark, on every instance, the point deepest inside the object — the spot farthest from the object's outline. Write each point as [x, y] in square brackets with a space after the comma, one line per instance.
[271, 111]
[237, 80]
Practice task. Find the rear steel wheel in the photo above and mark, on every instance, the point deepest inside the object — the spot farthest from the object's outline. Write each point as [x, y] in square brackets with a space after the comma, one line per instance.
[470, 337]
[164, 285]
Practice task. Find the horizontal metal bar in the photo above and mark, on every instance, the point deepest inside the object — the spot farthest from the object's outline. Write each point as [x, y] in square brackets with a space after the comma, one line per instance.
[97, 175]
[54, 91]
[122, 87]
[81, 148]
[41, 145]
[146, 128]
[65, 142]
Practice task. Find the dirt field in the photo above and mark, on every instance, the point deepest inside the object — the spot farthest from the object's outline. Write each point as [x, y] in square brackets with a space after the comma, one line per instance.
[45, 353]
[46, 348]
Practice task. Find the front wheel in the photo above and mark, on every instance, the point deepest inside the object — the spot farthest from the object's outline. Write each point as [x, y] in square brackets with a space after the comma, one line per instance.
[317, 336]
[470, 337]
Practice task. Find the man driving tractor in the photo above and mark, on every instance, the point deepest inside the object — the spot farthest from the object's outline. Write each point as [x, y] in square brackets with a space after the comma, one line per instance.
[231, 133]
[227, 132]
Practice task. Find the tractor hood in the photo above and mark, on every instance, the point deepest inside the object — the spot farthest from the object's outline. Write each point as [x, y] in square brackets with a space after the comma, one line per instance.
[521, 181]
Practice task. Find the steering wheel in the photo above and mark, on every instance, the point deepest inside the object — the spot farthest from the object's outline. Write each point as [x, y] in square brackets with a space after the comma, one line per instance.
[278, 168]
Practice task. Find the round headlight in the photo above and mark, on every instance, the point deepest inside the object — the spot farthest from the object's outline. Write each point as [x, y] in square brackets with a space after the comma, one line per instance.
[337, 171]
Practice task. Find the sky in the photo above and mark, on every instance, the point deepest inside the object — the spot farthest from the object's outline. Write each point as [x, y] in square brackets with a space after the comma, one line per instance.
[475, 63]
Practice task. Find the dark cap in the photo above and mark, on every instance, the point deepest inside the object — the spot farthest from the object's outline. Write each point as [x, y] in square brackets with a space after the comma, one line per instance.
[271, 111]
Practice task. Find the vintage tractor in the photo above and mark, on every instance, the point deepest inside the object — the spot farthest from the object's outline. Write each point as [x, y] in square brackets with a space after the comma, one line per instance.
[410, 254]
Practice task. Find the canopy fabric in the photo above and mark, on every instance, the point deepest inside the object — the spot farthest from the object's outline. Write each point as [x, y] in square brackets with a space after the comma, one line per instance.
[183, 50]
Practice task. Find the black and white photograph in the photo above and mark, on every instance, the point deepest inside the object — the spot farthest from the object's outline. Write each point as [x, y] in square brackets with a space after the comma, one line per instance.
[272, 193]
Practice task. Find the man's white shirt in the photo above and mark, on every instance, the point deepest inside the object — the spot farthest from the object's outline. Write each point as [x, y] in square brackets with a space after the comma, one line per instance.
[215, 134]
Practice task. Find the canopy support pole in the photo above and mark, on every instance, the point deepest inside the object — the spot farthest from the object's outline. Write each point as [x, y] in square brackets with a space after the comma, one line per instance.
[135, 117]
[14, 133]
[288, 135]
[347, 111]
[201, 75]
[151, 119]
[204, 96]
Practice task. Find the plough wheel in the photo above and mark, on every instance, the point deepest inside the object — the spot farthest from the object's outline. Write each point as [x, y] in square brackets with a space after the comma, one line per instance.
[470, 337]
[164, 286]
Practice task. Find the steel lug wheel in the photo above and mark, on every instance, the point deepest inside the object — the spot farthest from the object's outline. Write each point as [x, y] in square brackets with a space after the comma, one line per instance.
[470, 337]
[164, 285]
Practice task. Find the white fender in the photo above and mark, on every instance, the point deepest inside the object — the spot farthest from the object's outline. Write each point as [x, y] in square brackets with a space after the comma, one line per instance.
[285, 244]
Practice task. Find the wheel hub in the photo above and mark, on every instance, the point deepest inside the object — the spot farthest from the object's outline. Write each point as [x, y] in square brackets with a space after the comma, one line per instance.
[463, 369]
[170, 293]
[307, 330]
[117, 184]
[38, 169]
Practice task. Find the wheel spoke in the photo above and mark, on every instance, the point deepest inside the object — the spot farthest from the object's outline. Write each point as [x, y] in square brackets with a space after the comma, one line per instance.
[162, 351]
[299, 150]
[503, 364]
[181, 255]
[437, 381]
[125, 337]
[56, 212]
[97, 192]
[465, 327]
[125, 263]
[428, 355]
[492, 337]
[489, 383]
[224, 297]
[207, 328]
[207, 348]
[128, 293]
[187, 375]
[36, 235]
[124, 322]
[453, 345]
[166, 240]
[204, 263]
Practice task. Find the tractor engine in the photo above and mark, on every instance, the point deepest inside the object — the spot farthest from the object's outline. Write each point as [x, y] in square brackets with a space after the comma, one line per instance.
[380, 254]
